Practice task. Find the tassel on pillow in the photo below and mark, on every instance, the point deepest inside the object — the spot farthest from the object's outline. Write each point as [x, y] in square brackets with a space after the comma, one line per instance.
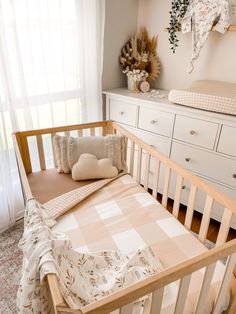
[89, 167]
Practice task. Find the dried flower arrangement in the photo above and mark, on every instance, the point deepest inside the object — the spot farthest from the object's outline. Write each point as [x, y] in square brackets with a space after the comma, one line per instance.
[139, 59]
[177, 12]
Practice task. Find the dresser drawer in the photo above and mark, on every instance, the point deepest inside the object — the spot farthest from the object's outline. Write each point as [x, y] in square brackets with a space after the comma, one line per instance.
[159, 143]
[155, 121]
[123, 112]
[226, 146]
[205, 163]
[195, 131]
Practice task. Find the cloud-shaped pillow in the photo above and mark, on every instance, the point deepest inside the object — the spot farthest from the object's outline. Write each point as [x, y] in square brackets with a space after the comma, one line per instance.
[89, 167]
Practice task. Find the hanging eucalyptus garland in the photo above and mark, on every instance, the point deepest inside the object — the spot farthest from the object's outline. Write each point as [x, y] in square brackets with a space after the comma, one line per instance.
[177, 12]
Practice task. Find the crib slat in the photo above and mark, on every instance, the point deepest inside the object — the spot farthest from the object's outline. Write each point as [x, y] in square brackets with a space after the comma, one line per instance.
[157, 297]
[24, 147]
[224, 227]
[104, 130]
[166, 187]
[178, 191]
[80, 132]
[224, 284]
[67, 133]
[131, 167]
[127, 309]
[205, 288]
[41, 155]
[182, 294]
[99, 132]
[139, 164]
[92, 132]
[206, 218]
[126, 146]
[53, 151]
[146, 306]
[190, 208]
[146, 176]
[156, 179]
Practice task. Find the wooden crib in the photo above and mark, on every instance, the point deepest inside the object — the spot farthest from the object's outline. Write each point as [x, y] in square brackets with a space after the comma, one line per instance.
[124, 298]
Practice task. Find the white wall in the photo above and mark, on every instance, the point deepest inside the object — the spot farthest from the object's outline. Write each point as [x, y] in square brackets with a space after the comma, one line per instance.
[120, 25]
[217, 60]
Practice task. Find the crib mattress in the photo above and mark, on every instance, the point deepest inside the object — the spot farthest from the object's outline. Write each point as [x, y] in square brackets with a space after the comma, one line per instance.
[123, 216]
[207, 95]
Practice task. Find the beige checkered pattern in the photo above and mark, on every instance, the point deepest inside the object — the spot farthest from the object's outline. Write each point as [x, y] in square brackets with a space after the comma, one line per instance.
[123, 216]
[204, 101]
[61, 204]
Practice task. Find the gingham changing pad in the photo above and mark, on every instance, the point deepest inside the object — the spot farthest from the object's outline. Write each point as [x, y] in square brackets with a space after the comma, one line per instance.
[207, 95]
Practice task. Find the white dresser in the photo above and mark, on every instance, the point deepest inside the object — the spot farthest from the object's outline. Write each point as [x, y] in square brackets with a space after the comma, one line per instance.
[201, 141]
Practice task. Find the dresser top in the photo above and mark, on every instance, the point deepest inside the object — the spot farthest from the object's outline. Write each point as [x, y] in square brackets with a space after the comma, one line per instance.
[159, 97]
[154, 95]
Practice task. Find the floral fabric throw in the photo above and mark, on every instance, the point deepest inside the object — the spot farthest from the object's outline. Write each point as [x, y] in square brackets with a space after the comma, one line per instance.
[199, 18]
[83, 278]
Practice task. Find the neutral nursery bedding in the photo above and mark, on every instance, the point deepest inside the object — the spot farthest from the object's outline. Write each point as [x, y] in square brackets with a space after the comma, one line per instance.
[207, 95]
[123, 217]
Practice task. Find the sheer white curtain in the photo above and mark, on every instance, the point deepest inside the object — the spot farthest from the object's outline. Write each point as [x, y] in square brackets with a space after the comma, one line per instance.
[50, 74]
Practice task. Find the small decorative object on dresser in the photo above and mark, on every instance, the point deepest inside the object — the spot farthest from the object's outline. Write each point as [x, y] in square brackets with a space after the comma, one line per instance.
[144, 86]
[139, 60]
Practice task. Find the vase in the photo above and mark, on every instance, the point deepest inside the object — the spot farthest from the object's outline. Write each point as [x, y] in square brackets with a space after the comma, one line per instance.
[132, 85]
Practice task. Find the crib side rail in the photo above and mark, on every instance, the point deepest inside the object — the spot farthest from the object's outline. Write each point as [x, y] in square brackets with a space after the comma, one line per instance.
[171, 165]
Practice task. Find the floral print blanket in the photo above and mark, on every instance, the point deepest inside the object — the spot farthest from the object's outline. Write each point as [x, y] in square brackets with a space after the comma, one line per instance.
[83, 277]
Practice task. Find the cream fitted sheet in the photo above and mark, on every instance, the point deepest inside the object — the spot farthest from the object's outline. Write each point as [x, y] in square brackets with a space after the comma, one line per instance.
[207, 95]
[123, 216]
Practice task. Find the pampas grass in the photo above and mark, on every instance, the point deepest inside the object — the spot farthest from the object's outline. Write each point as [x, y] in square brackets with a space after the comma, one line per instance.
[139, 53]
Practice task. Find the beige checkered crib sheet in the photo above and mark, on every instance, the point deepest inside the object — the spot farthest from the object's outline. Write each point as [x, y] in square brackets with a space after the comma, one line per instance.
[123, 216]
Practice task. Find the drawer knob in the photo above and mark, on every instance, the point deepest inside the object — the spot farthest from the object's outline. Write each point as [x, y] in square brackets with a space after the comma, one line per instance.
[153, 121]
[187, 159]
[234, 175]
[183, 187]
[122, 112]
[192, 132]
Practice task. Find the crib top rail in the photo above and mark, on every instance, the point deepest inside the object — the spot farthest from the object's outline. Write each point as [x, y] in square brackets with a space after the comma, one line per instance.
[63, 128]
